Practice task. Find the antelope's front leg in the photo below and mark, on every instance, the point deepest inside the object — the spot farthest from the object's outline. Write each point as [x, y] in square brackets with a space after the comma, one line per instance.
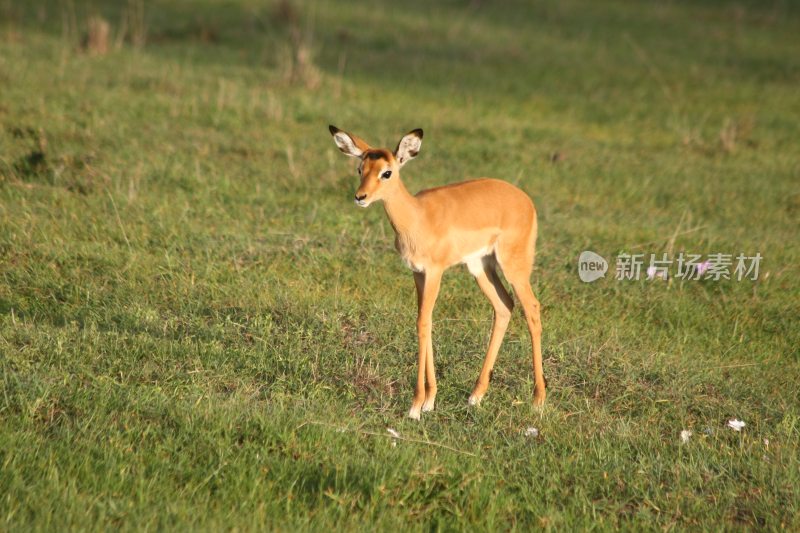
[427, 290]
[430, 372]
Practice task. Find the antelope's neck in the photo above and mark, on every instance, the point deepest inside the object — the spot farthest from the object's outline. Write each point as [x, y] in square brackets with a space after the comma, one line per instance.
[403, 210]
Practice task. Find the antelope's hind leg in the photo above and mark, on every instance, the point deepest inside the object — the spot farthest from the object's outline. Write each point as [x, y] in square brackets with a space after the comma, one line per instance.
[522, 288]
[489, 282]
[517, 264]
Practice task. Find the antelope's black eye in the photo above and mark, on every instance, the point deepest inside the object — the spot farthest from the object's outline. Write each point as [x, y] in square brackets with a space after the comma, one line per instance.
[386, 175]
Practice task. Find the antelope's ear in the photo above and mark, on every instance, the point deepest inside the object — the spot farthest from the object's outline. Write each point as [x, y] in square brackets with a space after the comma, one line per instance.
[408, 147]
[349, 144]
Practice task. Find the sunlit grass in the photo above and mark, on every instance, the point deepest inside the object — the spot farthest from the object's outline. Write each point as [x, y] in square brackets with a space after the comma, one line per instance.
[199, 331]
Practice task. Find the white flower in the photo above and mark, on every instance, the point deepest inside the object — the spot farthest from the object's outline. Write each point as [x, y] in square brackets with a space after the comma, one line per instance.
[685, 434]
[654, 272]
[531, 432]
[735, 424]
[393, 433]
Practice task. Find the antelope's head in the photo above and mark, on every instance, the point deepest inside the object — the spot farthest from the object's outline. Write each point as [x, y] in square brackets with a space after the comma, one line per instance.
[379, 168]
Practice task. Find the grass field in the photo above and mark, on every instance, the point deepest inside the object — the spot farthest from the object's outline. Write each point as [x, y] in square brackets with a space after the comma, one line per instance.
[199, 331]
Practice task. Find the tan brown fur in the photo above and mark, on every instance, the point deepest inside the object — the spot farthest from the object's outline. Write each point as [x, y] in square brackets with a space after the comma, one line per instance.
[483, 223]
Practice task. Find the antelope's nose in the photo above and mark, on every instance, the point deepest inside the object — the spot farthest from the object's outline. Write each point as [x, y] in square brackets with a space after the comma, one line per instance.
[360, 197]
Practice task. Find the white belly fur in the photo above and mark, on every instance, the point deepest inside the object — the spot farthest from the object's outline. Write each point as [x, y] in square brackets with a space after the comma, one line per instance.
[412, 266]
[474, 260]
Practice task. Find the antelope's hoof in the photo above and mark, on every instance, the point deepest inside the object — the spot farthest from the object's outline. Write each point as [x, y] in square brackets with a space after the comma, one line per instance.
[428, 405]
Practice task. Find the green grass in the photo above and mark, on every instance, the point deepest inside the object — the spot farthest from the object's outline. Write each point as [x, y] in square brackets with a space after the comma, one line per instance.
[198, 330]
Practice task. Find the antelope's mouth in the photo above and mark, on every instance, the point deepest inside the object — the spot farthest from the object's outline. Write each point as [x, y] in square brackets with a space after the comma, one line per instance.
[361, 200]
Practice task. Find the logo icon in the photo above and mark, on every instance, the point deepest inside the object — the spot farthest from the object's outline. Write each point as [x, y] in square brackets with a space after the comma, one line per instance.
[591, 266]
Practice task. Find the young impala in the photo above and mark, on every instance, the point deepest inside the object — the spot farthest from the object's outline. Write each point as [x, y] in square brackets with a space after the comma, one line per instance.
[481, 223]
